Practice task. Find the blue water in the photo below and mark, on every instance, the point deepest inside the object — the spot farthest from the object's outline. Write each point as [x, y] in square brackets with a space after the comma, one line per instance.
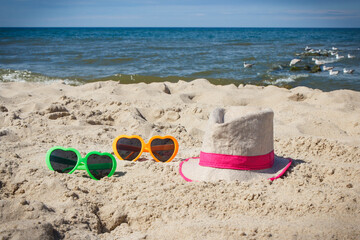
[79, 55]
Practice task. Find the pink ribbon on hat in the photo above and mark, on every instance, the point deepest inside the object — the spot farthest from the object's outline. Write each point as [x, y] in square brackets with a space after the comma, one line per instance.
[237, 162]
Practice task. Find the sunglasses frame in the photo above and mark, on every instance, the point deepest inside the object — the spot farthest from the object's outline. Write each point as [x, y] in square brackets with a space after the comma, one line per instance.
[145, 147]
[81, 163]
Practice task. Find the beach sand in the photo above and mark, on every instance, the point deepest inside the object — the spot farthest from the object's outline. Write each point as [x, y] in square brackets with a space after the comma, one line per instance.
[318, 198]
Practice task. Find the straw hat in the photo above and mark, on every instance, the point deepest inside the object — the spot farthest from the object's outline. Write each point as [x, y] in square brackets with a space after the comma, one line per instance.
[238, 145]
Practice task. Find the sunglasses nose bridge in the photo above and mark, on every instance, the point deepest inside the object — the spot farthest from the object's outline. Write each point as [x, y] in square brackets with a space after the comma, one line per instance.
[81, 165]
[147, 147]
[81, 160]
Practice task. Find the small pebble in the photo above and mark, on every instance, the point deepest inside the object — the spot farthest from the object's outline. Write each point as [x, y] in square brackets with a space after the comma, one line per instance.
[23, 201]
[3, 109]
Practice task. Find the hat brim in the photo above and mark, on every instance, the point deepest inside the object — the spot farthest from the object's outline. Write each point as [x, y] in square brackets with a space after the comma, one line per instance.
[190, 170]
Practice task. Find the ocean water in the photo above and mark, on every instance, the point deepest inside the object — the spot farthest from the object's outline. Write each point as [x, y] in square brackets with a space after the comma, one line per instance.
[128, 55]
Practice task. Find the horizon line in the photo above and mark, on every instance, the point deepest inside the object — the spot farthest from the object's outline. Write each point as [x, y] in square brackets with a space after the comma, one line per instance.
[169, 27]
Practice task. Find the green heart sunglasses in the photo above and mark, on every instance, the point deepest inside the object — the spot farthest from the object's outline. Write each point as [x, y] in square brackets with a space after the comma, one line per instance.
[67, 160]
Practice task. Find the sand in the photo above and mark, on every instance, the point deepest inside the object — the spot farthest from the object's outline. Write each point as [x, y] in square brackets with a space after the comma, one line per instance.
[318, 198]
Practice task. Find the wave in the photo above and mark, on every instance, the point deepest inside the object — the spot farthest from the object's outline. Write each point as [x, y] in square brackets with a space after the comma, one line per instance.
[291, 44]
[209, 72]
[330, 60]
[9, 75]
[162, 47]
[249, 59]
[285, 80]
[106, 61]
[57, 53]
[236, 43]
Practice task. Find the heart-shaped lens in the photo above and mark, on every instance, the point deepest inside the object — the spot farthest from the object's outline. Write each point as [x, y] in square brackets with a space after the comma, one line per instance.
[162, 149]
[99, 165]
[63, 161]
[128, 148]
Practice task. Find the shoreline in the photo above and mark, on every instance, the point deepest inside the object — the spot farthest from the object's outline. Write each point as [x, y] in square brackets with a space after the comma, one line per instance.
[316, 198]
[23, 76]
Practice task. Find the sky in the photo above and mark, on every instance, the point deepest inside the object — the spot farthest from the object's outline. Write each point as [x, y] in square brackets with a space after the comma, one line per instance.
[180, 13]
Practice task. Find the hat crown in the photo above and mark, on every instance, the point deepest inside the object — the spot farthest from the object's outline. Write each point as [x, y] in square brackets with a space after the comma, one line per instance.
[240, 130]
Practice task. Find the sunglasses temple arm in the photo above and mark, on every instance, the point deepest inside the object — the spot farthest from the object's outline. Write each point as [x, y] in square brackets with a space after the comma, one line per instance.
[127, 157]
[58, 159]
[98, 166]
[66, 169]
[163, 147]
[158, 155]
[127, 148]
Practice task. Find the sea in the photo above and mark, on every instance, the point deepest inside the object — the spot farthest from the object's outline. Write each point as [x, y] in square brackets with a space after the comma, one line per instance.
[131, 55]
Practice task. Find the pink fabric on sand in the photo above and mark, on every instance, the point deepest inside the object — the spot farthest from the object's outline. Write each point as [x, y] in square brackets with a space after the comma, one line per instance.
[180, 166]
[283, 171]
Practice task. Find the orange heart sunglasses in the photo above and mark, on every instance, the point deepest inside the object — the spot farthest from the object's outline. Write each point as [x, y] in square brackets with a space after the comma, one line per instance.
[130, 148]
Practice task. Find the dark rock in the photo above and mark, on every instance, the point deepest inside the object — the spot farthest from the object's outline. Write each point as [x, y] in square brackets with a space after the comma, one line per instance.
[315, 69]
[4, 132]
[3, 109]
[166, 89]
[294, 69]
[307, 68]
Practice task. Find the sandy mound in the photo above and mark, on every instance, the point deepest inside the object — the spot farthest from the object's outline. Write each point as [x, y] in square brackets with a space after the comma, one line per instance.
[317, 199]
